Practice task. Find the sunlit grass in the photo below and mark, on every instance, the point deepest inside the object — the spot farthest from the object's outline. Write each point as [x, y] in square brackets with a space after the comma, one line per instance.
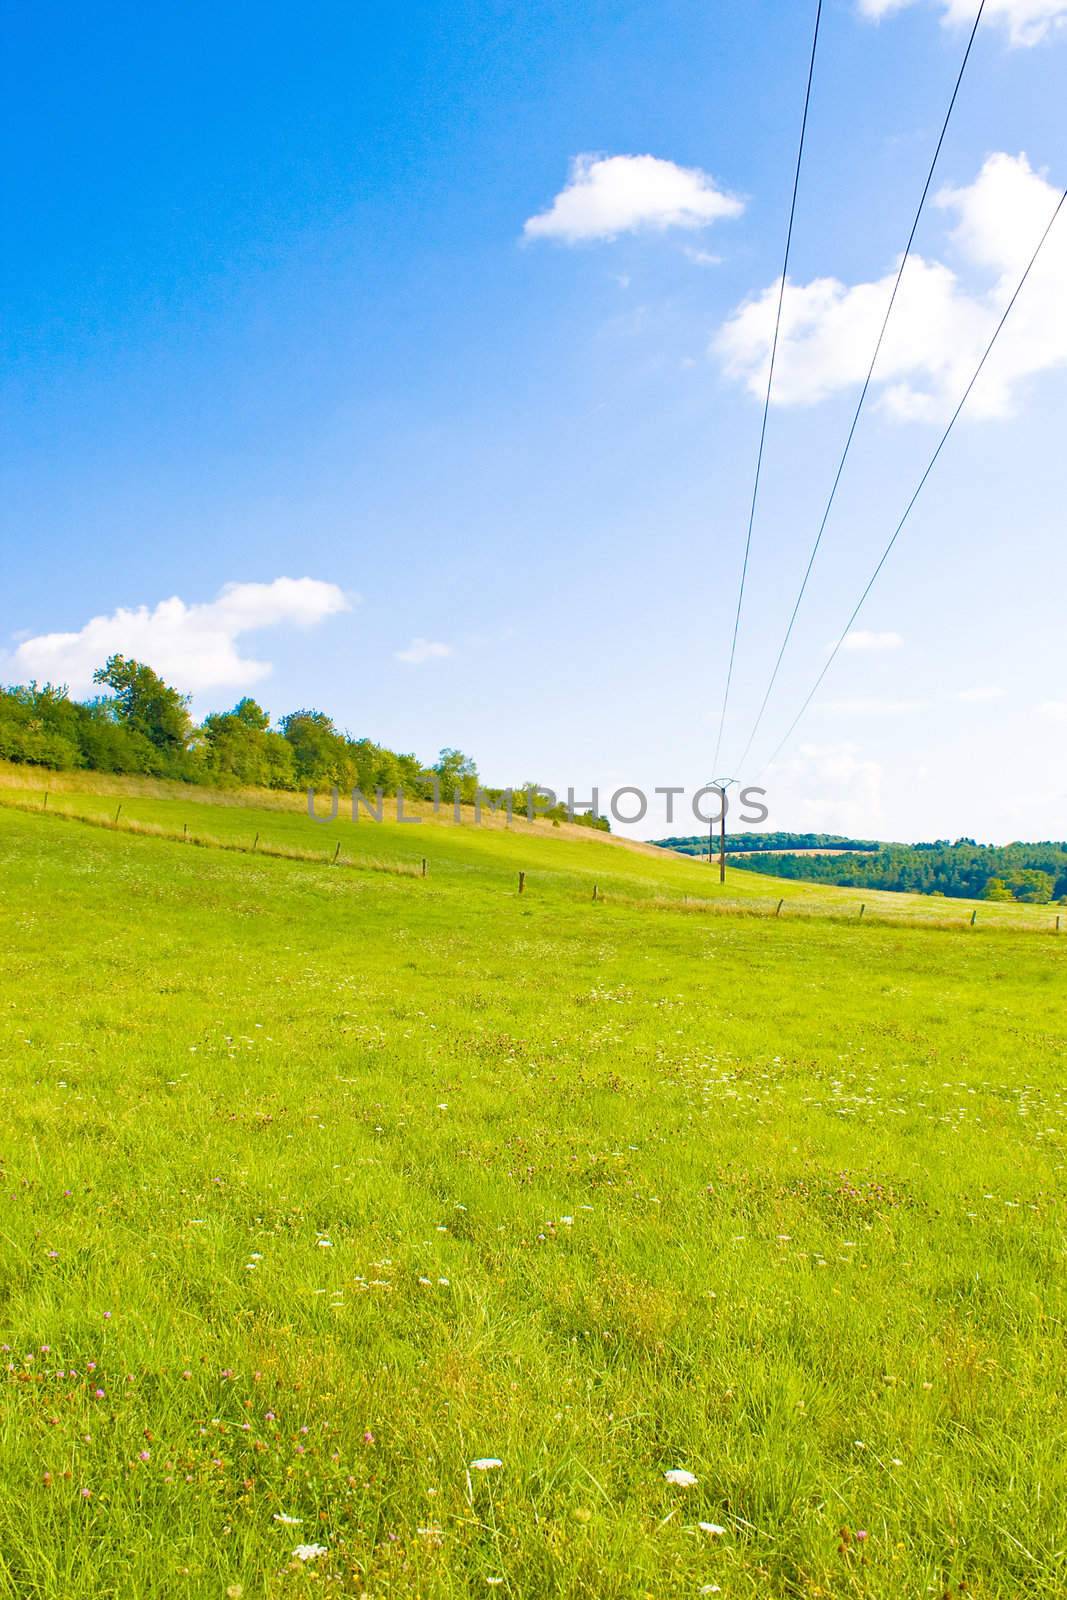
[439, 1173]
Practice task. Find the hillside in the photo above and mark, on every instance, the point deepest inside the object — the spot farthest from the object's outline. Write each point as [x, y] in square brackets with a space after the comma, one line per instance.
[322, 1185]
[577, 859]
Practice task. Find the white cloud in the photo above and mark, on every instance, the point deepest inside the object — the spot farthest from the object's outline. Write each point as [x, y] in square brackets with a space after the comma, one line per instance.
[863, 639]
[192, 646]
[827, 788]
[701, 258]
[1027, 21]
[939, 327]
[609, 195]
[862, 706]
[1053, 710]
[981, 694]
[421, 650]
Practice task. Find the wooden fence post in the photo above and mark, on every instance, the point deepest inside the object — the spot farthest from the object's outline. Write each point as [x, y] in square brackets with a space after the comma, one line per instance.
[974, 916]
[424, 866]
[117, 810]
[863, 908]
[781, 903]
[337, 852]
[255, 844]
[595, 887]
[522, 882]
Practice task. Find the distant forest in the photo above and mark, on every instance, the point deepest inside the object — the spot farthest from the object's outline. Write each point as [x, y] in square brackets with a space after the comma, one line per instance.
[697, 844]
[1036, 873]
[143, 726]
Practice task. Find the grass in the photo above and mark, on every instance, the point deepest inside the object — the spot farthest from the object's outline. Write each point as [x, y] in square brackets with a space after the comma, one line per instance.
[319, 1185]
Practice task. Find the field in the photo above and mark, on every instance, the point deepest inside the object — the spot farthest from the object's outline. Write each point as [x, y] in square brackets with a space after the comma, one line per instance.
[322, 1184]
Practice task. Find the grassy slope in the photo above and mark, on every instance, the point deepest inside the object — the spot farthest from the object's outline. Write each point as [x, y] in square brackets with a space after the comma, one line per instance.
[813, 1169]
[578, 856]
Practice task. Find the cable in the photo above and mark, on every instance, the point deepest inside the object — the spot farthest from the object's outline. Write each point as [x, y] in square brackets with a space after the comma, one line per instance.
[930, 467]
[770, 381]
[863, 391]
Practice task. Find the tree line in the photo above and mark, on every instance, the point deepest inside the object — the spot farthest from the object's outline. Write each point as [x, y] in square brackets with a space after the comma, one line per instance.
[141, 725]
[696, 844]
[1035, 873]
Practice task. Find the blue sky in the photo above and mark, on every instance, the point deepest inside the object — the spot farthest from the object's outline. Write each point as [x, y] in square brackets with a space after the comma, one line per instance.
[269, 311]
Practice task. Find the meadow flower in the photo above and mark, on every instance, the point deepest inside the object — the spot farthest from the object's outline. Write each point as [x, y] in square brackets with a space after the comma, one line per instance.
[682, 1478]
[711, 1528]
[144, 1455]
[309, 1552]
[486, 1463]
[368, 1437]
[292, 1522]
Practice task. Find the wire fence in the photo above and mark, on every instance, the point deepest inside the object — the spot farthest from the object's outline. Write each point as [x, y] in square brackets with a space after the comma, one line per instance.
[970, 917]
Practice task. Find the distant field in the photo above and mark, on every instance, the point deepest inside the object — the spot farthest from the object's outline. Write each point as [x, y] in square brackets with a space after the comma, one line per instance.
[322, 1183]
[621, 867]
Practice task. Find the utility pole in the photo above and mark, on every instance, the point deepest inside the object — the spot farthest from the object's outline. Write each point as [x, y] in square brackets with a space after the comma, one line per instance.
[722, 784]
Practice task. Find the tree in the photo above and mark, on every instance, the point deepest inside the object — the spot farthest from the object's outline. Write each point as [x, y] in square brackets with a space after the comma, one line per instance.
[147, 705]
[997, 889]
[319, 754]
[458, 775]
[240, 746]
[1028, 884]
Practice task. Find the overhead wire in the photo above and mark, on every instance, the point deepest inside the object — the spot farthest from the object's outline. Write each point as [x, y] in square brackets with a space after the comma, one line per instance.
[863, 393]
[770, 382]
[918, 490]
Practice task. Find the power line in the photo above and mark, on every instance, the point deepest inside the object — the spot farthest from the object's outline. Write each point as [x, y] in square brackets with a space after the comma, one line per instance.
[922, 481]
[770, 381]
[863, 391]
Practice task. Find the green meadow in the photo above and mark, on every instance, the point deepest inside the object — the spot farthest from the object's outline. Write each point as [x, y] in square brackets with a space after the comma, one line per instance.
[324, 1181]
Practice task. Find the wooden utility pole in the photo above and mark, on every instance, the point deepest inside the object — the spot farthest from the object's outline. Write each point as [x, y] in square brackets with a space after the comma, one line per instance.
[722, 837]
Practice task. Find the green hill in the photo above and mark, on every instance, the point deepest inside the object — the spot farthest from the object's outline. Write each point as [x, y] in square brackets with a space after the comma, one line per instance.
[325, 1180]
